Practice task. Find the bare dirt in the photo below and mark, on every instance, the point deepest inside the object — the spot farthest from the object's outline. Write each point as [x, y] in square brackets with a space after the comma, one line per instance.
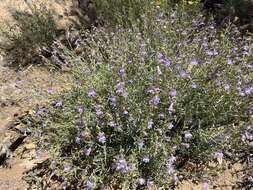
[21, 91]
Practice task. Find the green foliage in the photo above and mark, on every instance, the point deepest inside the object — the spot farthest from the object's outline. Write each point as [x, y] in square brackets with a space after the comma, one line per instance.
[33, 29]
[127, 12]
[149, 102]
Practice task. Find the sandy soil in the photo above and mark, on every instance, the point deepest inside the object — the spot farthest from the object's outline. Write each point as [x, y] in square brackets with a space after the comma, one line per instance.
[22, 91]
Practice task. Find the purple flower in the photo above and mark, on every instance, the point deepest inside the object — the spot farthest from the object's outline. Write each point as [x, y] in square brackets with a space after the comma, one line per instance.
[150, 124]
[229, 62]
[89, 184]
[80, 109]
[172, 159]
[50, 91]
[175, 179]
[111, 124]
[170, 125]
[121, 166]
[248, 90]
[184, 74]
[206, 184]
[113, 101]
[92, 93]
[122, 72]
[173, 93]
[99, 112]
[78, 140]
[120, 89]
[66, 168]
[87, 151]
[155, 100]
[211, 53]
[227, 87]
[188, 136]
[141, 181]
[194, 85]
[219, 156]
[154, 90]
[101, 138]
[186, 145]
[193, 62]
[163, 60]
[146, 159]
[58, 104]
[170, 169]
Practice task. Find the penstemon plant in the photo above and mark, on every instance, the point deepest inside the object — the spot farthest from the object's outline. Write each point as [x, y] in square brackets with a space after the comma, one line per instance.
[149, 102]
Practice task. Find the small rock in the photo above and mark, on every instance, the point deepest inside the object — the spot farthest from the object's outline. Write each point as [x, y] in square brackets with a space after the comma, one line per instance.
[29, 146]
[5, 152]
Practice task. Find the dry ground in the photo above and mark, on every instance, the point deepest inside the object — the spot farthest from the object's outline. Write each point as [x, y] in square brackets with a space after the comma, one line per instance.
[23, 90]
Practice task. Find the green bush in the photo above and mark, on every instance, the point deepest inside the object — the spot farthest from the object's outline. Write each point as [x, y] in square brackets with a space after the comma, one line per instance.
[33, 29]
[148, 103]
[127, 12]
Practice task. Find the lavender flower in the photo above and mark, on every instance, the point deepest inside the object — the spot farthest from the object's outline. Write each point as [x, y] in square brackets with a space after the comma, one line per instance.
[173, 93]
[78, 140]
[111, 124]
[87, 151]
[113, 101]
[184, 74]
[248, 90]
[219, 157]
[163, 60]
[122, 166]
[229, 62]
[150, 124]
[175, 179]
[58, 104]
[194, 85]
[122, 72]
[101, 138]
[227, 87]
[80, 109]
[146, 159]
[154, 90]
[193, 62]
[206, 184]
[170, 125]
[50, 91]
[155, 100]
[99, 112]
[172, 159]
[89, 184]
[141, 181]
[188, 136]
[92, 93]
[120, 89]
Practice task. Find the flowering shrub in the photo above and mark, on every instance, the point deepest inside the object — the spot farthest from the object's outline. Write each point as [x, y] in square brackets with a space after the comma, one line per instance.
[149, 103]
